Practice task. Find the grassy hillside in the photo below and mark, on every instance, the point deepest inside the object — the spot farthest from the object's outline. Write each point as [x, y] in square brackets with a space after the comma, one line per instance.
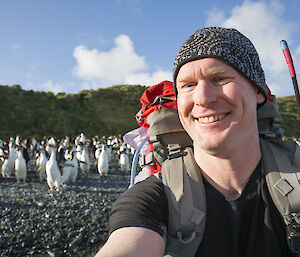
[290, 115]
[108, 111]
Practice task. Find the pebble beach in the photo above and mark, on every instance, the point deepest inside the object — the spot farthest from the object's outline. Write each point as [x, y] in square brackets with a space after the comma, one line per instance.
[70, 222]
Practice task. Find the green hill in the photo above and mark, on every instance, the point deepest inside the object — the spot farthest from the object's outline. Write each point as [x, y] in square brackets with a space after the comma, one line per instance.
[109, 111]
[290, 115]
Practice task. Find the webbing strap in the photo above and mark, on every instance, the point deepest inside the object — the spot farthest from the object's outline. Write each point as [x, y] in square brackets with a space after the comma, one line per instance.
[188, 203]
[172, 174]
[186, 206]
[191, 166]
[146, 160]
[161, 99]
[282, 178]
[183, 178]
[296, 160]
[159, 151]
[176, 165]
[291, 175]
[198, 214]
[198, 190]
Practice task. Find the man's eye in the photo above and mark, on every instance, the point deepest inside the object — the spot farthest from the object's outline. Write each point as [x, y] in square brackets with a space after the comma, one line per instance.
[190, 85]
[218, 79]
[221, 79]
[186, 86]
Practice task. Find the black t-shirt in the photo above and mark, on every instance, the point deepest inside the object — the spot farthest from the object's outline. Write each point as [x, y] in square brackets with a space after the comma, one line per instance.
[250, 226]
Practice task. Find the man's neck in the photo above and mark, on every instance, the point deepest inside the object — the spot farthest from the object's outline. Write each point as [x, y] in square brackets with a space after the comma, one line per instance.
[229, 175]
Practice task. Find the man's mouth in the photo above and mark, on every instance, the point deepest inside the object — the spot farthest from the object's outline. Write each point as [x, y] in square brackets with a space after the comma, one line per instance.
[211, 119]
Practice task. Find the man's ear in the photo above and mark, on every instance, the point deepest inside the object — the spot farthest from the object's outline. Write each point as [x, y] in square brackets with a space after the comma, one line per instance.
[260, 98]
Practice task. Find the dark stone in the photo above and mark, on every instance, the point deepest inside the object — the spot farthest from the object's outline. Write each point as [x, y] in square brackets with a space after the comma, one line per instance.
[77, 241]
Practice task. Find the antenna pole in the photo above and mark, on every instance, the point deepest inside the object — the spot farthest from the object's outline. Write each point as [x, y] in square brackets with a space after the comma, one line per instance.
[289, 61]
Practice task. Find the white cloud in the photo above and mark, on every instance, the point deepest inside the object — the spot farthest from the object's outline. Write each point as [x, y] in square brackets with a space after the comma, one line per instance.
[119, 65]
[133, 5]
[298, 50]
[264, 25]
[49, 86]
[215, 17]
[15, 47]
[34, 81]
[148, 79]
[109, 66]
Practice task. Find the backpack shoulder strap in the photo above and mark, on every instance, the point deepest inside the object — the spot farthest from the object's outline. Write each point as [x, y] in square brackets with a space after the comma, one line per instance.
[269, 120]
[186, 201]
[281, 161]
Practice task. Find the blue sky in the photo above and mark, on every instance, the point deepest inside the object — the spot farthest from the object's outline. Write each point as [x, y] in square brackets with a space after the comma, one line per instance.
[71, 45]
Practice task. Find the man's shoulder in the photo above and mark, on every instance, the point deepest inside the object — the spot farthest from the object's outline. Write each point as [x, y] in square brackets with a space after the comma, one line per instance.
[148, 188]
[152, 180]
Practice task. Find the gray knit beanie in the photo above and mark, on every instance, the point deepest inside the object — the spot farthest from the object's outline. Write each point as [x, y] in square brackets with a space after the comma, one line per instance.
[228, 45]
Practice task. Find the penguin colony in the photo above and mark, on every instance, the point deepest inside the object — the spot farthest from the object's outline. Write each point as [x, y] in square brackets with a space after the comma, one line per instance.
[58, 162]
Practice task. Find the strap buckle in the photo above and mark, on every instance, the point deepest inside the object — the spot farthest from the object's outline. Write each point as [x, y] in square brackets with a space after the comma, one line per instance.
[293, 235]
[175, 151]
[187, 240]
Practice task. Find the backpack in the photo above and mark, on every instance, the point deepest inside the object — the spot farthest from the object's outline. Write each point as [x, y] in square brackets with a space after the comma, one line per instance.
[171, 159]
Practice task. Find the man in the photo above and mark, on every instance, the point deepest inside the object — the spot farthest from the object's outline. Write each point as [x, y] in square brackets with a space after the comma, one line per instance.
[219, 84]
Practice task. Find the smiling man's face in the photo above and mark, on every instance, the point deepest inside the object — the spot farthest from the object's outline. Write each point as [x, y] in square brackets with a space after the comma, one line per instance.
[216, 105]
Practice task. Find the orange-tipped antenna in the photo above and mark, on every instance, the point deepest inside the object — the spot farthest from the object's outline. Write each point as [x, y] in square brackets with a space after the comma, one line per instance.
[289, 61]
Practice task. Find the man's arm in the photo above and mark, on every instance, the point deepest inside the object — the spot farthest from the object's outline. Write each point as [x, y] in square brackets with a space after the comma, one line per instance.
[133, 242]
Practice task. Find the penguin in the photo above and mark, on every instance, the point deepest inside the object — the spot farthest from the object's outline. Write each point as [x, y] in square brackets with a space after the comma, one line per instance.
[115, 146]
[41, 165]
[18, 140]
[74, 168]
[124, 159]
[8, 166]
[25, 153]
[60, 157]
[48, 148]
[82, 138]
[98, 151]
[78, 152]
[3, 154]
[109, 149]
[52, 169]
[103, 164]
[66, 169]
[20, 166]
[4, 167]
[85, 160]
[66, 142]
[76, 141]
[33, 145]
[94, 143]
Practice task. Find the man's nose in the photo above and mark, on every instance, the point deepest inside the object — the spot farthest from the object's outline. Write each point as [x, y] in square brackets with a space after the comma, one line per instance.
[205, 93]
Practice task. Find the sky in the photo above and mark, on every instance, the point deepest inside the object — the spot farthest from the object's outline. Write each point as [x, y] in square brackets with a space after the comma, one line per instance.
[72, 45]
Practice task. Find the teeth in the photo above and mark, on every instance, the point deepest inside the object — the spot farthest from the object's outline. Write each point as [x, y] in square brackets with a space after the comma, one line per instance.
[211, 119]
